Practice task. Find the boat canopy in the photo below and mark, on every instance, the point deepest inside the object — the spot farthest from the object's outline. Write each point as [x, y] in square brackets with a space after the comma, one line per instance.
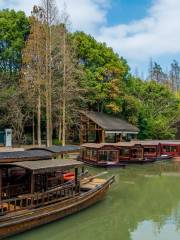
[100, 145]
[58, 149]
[16, 156]
[45, 166]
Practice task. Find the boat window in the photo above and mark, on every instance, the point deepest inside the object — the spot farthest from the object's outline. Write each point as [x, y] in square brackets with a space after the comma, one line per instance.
[149, 150]
[169, 148]
[110, 137]
[124, 152]
[137, 153]
[109, 156]
[88, 153]
[93, 154]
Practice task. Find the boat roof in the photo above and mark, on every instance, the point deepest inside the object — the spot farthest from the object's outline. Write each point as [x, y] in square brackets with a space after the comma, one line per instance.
[58, 149]
[16, 156]
[157, 142]
[100, 145]
[96, 145]
[110, 123]
[134, 143]
[45, 166]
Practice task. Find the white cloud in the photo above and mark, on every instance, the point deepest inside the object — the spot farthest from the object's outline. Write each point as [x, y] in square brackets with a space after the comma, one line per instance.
[156, 35]
[24, 5]
[85, 15]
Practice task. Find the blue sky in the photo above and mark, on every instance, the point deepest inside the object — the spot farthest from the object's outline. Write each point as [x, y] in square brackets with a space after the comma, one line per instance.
[136, 29]
[125, 11]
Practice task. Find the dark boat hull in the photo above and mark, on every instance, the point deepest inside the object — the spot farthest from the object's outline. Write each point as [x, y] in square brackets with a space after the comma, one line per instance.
[149, 160]
[124, 163]
[104, 165]
[30, 219]
[139, 161]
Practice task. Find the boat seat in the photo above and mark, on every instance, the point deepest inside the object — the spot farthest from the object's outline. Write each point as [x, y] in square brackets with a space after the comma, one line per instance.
[92, 184]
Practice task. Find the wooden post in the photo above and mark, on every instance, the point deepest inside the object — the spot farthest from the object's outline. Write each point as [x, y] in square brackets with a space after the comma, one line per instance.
[0, 184]
[115, 137]
[97, 158]
[76, 181]
[121, 137]
[32, 182]
[80, 136]
[103, 136]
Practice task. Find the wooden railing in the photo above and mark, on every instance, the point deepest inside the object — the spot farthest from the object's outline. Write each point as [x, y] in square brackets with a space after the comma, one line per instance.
[14, 190]
[28, 201]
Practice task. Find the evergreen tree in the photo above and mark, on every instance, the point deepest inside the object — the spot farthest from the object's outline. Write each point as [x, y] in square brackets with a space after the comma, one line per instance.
[175, 75]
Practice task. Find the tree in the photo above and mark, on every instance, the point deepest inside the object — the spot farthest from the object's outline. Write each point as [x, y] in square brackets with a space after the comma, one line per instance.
[158, 109]
[150, 70]
[175, 75]
[14, 30]
[13, 33]
[33, 67]
[157, 73]
[105, 73]
[50, 14]
[68, 79]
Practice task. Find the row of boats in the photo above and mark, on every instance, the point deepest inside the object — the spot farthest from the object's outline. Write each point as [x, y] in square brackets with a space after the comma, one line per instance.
[38, 187]
[122, 153]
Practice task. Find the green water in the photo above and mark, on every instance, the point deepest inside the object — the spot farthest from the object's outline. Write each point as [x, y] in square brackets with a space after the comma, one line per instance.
[143, 204]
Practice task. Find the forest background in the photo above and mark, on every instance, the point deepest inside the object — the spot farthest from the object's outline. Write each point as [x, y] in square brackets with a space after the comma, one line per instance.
[48, 74]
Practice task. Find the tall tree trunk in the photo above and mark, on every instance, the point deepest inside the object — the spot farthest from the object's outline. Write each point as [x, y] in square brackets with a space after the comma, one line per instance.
[60, 131]
[47, 98]
[33, 128]
[64, 94]
[50, 89]
[64, 123]
[47, 79]
[39, 120]
[39, 97]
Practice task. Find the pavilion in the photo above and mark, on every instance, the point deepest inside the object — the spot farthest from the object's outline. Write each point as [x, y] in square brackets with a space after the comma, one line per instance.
[100, 127]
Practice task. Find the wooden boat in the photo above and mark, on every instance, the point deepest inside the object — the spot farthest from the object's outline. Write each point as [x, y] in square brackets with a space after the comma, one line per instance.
[19, 156]
[46, 197]
[162, 148]
[59, 151]
[123, 153]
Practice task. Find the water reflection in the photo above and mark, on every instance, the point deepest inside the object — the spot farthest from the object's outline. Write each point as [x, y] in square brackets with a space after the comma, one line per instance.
[143, 204]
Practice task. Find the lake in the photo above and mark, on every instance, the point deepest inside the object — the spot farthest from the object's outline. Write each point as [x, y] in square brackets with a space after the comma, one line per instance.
[143, 204]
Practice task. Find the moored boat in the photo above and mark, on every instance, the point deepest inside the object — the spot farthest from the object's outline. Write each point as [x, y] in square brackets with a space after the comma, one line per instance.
[123, 153]
[41, 194]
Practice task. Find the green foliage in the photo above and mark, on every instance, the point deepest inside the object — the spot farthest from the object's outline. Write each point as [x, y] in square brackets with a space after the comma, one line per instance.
[56, 142]
[110, 88]
[14, 27]
[105, 73]
[13, 31]
[158, 109]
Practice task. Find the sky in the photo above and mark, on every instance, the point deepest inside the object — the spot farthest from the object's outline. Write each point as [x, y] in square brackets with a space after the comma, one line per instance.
[136, 29]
